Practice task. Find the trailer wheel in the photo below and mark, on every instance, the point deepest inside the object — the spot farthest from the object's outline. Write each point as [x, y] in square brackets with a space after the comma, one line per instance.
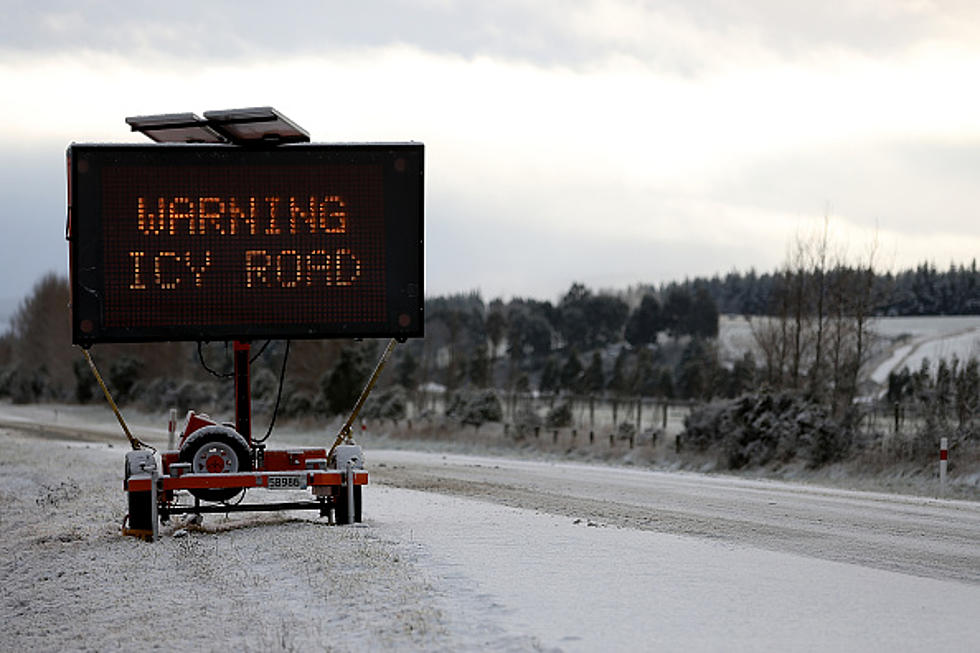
[341, 514]
[216, 450]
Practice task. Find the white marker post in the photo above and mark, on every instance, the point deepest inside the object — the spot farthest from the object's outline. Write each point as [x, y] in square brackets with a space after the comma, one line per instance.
[172, 429]
[943, 462]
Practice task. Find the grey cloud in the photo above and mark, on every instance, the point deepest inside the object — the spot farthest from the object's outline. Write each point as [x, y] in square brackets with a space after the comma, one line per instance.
[533, 31]
[469, 247]
[229, 30]
[913, 187]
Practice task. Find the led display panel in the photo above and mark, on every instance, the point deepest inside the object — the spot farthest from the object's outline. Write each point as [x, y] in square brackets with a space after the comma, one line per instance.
[218, 242]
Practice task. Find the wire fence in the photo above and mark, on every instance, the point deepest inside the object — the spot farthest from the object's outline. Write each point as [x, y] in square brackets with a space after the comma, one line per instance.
[651, 418]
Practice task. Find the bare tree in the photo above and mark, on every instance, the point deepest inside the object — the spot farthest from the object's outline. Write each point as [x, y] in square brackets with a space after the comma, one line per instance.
[818, 335]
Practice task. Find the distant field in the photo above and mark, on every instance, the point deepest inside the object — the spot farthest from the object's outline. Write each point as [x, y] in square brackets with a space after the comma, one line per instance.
[904, 341]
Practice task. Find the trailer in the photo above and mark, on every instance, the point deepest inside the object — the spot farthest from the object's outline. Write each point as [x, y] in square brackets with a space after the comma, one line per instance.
[234, 227]
[214, 464]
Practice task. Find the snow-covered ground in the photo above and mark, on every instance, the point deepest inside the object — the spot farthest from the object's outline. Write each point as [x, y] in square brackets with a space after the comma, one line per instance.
[587, 587]
[471, 553]
[927, 338]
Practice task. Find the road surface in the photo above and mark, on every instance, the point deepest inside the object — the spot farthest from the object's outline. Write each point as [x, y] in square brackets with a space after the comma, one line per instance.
[467, 553]
[914, 535]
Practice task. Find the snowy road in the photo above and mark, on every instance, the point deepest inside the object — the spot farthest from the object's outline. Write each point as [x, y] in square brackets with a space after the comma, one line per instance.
[467, 553]
[573, 587]
[920, 536]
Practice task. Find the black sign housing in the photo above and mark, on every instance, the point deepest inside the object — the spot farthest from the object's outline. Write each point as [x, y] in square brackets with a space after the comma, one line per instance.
[218, 242]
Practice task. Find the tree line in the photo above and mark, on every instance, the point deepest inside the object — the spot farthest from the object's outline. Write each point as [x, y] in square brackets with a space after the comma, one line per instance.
[922, 290]
[645, 341]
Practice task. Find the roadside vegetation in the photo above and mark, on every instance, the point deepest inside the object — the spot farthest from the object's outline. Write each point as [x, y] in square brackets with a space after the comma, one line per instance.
[530, 365]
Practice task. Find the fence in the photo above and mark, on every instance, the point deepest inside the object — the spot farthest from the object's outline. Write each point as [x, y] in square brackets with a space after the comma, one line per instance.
[592, 417]
[602, 415]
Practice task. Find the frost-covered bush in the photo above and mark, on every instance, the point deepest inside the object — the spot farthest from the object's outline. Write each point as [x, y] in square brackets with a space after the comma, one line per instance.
[85, 383]
[6, 378]
[194, 395]
[296, 403]
[474, 407]
[390, 403]
[559, 416]
[767, 427]
[342, 385]
[626, 430]
[122, 376]
[27, 385]
[703, 426]
[525, 421]
[265, 384]
[155, 394]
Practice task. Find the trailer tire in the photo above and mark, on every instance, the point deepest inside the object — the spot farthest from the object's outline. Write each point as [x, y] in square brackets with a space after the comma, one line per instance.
[340, 510]
[216, 449]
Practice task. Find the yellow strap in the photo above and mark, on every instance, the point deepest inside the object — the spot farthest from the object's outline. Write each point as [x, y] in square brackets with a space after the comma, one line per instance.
[136, 443]
[344, 433]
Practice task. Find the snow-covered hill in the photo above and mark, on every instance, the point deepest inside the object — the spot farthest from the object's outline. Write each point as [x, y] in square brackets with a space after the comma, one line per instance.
[902, 341]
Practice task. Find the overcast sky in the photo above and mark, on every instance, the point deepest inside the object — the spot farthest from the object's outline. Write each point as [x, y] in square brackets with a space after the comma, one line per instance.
[607, 142]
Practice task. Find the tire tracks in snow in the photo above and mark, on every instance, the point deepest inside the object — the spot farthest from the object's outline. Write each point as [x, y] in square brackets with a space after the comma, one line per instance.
[922, 537]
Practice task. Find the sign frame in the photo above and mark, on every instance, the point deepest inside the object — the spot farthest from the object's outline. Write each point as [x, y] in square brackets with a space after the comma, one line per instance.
[102, 313]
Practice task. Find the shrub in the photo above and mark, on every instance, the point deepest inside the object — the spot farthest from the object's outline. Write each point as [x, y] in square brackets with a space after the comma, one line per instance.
[559, 416]
[391, 403]
[762, 428]
[625, 430]
[342, 386]
[85, 384]
[156, 394]
[123, 373]
[525, 420]
[27, 386]
[297, 403]
[6, 379]
[194, 395]
[476, 408]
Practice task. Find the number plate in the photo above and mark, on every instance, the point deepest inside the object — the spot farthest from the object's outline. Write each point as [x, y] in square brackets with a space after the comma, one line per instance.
[286, 482]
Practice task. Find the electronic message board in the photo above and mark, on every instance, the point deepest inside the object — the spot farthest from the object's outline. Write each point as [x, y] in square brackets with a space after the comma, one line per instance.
[219, 242]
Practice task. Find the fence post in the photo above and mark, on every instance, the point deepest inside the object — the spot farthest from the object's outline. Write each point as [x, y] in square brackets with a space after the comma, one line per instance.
[943, 462]
[591, 437]
[639, 414]
[664, 424]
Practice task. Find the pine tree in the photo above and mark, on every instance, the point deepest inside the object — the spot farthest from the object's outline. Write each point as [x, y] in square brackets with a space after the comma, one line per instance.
[594, 381]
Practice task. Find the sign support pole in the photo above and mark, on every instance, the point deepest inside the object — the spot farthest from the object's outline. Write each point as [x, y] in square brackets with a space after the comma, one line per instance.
[243, 391]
